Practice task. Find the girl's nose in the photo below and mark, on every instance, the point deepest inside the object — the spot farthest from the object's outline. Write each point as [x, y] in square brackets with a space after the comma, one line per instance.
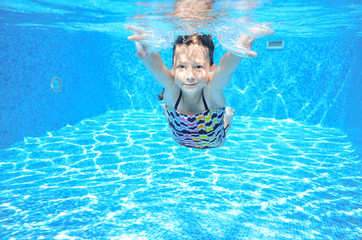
[190, 76]
[190, 79]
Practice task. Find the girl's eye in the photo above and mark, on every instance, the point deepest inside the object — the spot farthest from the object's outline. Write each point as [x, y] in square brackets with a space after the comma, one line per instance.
[199, 67]
[181, 66]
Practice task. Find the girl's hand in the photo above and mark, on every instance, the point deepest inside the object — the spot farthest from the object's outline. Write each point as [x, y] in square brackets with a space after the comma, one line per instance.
[138, 38]
[256, 31]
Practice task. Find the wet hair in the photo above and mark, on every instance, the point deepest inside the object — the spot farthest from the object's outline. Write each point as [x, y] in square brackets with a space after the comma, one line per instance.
[202, 39]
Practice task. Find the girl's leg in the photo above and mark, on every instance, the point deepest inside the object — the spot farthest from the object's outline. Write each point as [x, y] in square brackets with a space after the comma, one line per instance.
[228, 118]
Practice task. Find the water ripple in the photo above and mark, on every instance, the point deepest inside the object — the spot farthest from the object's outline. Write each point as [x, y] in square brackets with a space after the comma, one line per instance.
[121, 176]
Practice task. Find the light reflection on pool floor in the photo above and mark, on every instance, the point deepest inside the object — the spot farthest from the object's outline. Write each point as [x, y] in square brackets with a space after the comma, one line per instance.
[121, 176]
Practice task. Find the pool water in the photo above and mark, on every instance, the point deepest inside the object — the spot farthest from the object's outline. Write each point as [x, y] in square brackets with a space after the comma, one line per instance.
[85, 152]
[120, 176]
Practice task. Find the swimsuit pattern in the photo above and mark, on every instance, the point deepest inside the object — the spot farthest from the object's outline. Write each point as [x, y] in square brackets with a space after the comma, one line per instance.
[203, 130]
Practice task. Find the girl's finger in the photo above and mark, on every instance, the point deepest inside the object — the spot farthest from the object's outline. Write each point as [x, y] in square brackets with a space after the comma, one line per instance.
[251, 54]
[141, 55]
[136, 38]
[268, 31]
[135, 29]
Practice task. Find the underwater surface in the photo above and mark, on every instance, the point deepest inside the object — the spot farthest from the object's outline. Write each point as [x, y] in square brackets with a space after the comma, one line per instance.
[120, 176]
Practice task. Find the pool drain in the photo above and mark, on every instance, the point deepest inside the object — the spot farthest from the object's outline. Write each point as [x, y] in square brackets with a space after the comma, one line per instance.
[275, 45]
[56, 84]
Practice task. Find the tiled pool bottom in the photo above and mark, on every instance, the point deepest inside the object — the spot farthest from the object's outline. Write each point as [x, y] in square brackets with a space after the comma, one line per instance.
[121, 176]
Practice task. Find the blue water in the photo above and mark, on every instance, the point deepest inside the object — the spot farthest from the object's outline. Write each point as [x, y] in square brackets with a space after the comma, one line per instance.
[119, 175]
[95, 159]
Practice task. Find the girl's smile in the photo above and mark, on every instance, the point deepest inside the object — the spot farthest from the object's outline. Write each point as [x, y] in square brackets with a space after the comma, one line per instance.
[191, 85]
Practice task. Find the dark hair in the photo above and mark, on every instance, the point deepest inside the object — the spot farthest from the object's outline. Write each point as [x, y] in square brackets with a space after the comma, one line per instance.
[196, 38]
[203, 39]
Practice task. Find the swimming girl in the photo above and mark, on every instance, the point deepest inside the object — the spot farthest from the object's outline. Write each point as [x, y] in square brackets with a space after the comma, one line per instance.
[194, 102]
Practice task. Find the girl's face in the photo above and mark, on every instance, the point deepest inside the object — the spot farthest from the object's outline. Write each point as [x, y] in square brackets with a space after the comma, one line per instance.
[191, 67]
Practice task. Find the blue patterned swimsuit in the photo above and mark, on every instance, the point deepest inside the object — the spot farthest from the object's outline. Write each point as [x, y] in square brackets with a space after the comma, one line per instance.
[203, 130]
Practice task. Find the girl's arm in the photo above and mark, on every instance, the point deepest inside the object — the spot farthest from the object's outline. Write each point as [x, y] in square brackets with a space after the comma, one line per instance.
[222, 75]
[152, 61]
[230, 61]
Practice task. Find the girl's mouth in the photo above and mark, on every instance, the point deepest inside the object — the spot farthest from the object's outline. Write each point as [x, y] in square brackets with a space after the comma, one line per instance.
[190, 85]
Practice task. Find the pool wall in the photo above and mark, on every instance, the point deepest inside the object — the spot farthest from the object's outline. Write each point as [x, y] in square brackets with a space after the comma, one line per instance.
[312, 80]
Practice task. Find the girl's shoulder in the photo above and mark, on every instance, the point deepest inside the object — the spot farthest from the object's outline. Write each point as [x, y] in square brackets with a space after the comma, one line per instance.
[215, 98]
[171, 94]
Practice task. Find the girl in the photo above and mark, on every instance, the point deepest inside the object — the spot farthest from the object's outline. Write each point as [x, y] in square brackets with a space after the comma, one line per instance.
[193, 89]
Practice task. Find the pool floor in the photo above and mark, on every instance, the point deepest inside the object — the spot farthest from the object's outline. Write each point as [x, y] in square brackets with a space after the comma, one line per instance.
[121, 176]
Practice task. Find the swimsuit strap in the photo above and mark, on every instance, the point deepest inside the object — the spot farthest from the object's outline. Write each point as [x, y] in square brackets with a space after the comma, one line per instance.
[178, 100]
[203, 99]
